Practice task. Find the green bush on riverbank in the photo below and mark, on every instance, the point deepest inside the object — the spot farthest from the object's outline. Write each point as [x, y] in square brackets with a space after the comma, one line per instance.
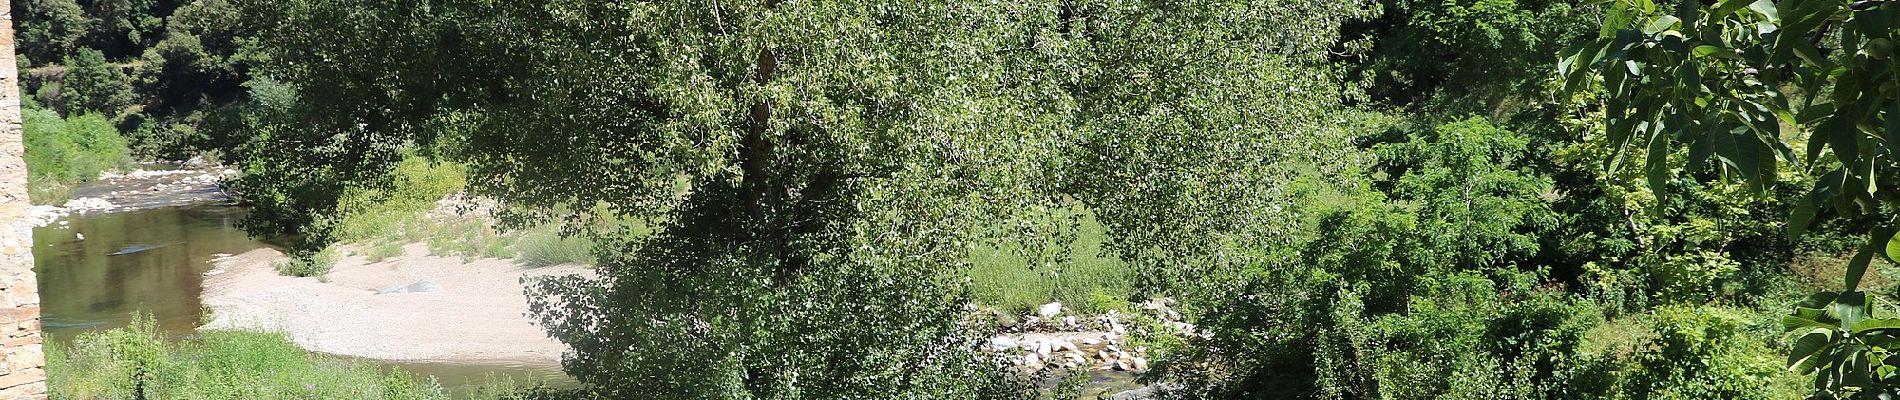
[137, 363]
[63, 152]
[1086, 279]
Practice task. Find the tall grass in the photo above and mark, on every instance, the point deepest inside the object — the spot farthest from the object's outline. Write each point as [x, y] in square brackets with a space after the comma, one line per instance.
[546, 246]
[388, 212]
[135, 362]
[1089, 280]
[63, 152]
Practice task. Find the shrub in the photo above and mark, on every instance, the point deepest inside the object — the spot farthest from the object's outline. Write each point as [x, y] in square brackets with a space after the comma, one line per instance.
[383, 249]
[136, 362]
[61, 153]
[417, 183]
[547, 246]
[1706, 353]
[94, 85]
[308, 265]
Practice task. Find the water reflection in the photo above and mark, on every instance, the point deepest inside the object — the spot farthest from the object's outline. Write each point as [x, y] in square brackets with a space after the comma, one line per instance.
[146, 260]
[153, 260]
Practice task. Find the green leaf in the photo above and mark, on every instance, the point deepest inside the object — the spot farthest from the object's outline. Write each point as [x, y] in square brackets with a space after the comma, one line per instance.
[1802, 356]
[1817, 300]
[1660, 24]
[1712, 51]
[1893, 248]
[1810, 206]
[1891, 125]
[1844, 137]
[1875, 324]
[1767, 9]
[1855, 370]
[1851, 307]
[1725, 7]
[1804, 320]
[1657, 168]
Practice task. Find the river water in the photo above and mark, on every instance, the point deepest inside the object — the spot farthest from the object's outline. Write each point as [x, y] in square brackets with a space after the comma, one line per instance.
[96, 270]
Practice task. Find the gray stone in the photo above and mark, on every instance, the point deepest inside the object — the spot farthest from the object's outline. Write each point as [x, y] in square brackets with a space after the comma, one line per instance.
[422, 286]
[1051, 310]
[1002, 343]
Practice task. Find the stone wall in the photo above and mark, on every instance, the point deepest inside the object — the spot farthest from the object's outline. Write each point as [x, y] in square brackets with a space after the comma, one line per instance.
[22, 365]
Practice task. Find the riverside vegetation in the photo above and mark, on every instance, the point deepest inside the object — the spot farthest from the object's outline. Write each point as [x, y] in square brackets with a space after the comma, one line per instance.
[1350, 199]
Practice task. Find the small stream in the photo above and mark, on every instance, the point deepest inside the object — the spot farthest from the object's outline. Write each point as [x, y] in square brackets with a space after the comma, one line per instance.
[97, 269]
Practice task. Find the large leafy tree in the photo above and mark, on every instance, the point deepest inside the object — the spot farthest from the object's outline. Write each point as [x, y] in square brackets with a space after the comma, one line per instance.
[93, 85]
[814, 171]
[1728, 81]
[50, 29]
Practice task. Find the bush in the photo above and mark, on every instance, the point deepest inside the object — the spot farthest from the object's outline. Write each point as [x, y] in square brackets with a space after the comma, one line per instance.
[382, 250]
[1706, 353]
[417, 183]
[94, 85]
[547, 246]
[61, 153]
[308, 265]
[137, 363]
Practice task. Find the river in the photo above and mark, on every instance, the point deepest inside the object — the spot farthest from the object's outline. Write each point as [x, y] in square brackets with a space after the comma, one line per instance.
[97, 269]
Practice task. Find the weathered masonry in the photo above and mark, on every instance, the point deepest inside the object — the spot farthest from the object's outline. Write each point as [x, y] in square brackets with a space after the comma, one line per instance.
[22, 365]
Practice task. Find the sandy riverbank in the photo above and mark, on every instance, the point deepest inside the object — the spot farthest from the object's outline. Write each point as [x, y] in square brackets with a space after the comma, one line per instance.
[455, 312]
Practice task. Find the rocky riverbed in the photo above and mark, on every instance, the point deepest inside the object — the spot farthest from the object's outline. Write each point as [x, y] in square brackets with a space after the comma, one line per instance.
[1053, 341]
[162, 185]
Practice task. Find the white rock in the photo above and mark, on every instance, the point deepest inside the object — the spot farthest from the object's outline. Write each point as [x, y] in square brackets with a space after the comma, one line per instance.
[1152, 305]
[1090, 341]
[1124, 365]
[1066, 346]
[1043, 348]
[88, 204]
[1050, 310]
[80, 236]
[1031, 359]
[1140, 364]
[1002, 343]
[1068, 321]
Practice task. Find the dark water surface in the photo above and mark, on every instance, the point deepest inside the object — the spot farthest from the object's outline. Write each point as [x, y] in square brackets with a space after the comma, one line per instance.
[145, 260]
[153, 261]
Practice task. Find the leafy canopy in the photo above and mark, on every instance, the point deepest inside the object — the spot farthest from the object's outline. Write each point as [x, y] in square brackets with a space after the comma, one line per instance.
[1727, 81]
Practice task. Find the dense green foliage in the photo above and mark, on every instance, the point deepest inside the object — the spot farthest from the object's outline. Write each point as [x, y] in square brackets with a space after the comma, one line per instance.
[1361, 199]
[62, 152]
[1740, 85]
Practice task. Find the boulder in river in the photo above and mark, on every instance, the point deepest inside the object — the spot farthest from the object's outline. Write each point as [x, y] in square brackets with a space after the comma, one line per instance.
[422, 286]
[1002, 343]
